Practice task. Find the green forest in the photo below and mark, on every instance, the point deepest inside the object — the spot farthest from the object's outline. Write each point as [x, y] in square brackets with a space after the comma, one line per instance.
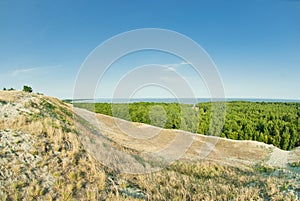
[271, 123]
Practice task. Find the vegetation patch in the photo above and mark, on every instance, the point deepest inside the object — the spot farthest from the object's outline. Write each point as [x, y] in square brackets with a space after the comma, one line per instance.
[295, 164]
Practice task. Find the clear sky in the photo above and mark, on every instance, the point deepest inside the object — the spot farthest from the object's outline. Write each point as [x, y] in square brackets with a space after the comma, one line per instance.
[255, 44]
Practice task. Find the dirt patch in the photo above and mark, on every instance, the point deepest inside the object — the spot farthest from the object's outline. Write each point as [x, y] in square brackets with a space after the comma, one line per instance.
[278, 158]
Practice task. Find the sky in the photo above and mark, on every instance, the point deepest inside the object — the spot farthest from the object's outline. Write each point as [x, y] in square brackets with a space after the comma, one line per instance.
[254, 44]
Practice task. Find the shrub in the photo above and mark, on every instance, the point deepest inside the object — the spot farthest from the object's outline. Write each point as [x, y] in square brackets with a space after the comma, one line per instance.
[27, 89]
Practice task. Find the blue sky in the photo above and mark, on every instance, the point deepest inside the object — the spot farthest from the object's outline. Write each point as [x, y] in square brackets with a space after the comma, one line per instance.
[255, 44]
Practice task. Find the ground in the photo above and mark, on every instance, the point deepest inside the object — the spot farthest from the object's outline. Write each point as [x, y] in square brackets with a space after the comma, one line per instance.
[51, 151]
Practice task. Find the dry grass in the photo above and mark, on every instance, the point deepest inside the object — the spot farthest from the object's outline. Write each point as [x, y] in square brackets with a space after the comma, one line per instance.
[54, 141]
[186, 180]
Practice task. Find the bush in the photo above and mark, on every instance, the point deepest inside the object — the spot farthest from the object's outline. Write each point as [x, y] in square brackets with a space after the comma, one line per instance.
[27, 89]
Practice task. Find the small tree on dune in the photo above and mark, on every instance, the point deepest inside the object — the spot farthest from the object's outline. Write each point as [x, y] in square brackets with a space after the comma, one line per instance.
[27, 89]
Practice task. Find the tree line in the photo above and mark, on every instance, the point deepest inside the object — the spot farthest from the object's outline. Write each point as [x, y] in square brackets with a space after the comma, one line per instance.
[25, 89]
[271, 123]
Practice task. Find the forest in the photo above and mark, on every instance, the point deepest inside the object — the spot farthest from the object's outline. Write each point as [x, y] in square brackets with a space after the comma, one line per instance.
[269, 122]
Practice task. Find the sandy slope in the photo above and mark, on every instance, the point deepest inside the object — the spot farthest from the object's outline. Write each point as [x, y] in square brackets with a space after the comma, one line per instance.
[174, 144]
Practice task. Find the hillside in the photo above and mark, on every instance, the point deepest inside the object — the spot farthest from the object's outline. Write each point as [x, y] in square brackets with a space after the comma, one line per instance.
[276, 123]
[41, 155]
[50, 153]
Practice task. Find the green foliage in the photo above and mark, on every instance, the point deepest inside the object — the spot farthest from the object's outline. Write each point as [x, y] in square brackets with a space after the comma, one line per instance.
[262, 168]
[27, 89]
[157, 116]
[295, 164]
[272, 123]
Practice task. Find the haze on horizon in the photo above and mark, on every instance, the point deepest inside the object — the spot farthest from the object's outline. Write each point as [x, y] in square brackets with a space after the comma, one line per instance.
[254, 44]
